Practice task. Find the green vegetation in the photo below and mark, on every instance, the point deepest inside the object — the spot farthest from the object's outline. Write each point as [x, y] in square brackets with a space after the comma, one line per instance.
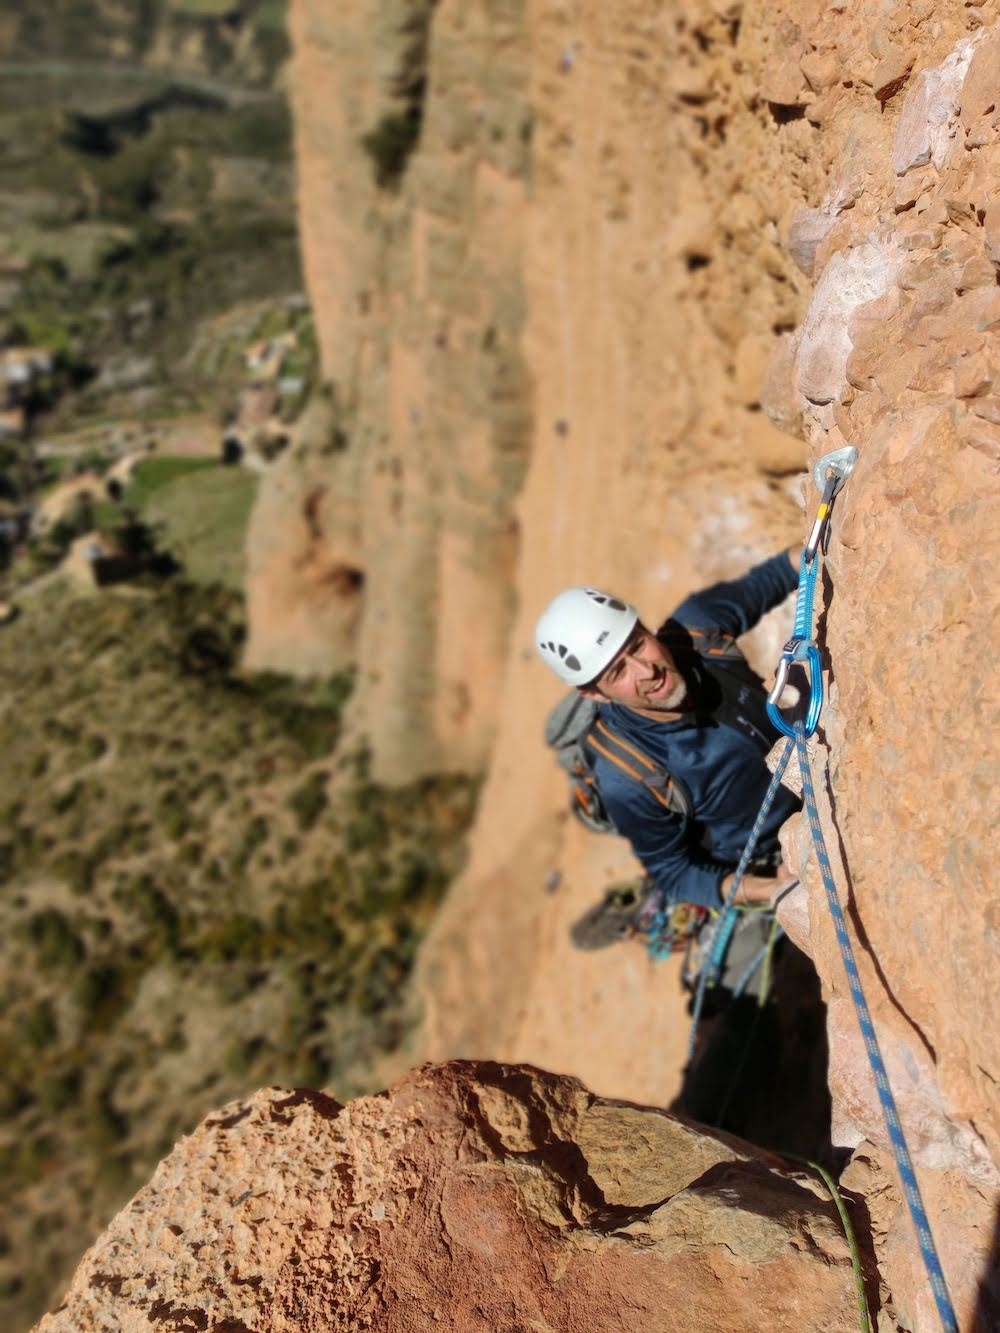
[392, 140]
[239, 36]
[155, 473]
[216, 9]
[201, 891]
[309, 801]
[156, 206]
[390, 144]
[270, 16]
[200, 514]
[202, 894]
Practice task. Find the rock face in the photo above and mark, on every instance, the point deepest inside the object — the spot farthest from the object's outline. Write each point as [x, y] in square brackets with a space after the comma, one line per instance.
[418, 289]
[734, 239]
[467, 1197]
[902, 360]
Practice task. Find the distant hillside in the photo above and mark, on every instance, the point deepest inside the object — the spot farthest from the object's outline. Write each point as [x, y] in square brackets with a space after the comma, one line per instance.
[143, 190]
[241, 40]
[202, 895]
[202, 891]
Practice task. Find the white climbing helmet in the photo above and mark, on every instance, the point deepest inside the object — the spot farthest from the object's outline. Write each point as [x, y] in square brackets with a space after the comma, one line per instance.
[581, 631]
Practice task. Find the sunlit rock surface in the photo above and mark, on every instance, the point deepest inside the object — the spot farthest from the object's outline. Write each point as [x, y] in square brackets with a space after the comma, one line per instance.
[469, 1196]
[724, 220]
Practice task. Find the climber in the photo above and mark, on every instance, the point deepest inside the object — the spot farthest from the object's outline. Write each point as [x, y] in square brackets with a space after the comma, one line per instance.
[687, 699]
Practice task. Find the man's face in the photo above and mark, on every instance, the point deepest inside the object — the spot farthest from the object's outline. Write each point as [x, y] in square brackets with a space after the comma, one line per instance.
[643, 677]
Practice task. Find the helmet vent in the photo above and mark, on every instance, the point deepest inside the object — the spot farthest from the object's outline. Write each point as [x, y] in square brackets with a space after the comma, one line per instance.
[603, 599]
[570, 659]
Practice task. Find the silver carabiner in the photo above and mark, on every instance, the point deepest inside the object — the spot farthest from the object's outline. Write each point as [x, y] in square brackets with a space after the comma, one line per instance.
[805, 651]
[780, 678]
[829, 474]
[839, 462]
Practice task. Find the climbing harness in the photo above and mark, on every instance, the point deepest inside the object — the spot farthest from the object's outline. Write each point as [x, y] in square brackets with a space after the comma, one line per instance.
[830, 474]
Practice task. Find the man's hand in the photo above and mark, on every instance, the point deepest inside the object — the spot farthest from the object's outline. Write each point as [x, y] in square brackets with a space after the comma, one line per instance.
[759, 888]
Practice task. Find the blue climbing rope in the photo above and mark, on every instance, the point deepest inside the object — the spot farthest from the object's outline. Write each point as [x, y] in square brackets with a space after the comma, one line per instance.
[831, 473]
[802, 647]
[722, 935]
[901, 1152]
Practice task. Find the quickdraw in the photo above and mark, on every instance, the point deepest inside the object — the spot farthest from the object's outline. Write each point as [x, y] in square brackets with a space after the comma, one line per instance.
[830, 473]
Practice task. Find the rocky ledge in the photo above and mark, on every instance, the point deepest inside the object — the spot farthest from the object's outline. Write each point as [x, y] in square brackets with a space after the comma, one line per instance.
[468, 1196]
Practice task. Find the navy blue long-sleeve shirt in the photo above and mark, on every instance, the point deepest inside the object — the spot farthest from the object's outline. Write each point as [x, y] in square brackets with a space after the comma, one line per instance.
[719, 764]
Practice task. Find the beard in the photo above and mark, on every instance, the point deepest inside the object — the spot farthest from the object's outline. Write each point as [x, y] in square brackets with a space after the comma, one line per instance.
[672, 700]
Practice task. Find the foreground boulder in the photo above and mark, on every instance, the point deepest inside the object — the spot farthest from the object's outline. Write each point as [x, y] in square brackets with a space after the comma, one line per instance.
[468, 1196]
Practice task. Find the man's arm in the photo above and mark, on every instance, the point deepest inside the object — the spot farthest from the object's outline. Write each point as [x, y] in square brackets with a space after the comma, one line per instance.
[661, 840]
[736, 605]
[670, 851]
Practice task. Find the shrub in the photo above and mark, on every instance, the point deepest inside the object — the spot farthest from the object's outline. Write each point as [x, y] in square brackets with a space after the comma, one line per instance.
[239, 937]
[418, 875]
[57, 944]
[56, 1092]
[309, 801]
[192, 852]
[239, 1056]
[94, 747]
[390, 144]
[308, 919]
[39, 1026]
[211, 788]
[309, 716]
[21, 1160]
[254, 836]
[367, 829]
[155, 910]
[172, 813]
[104, 1126]
[102, 992]
[65, 800]
[77, 869]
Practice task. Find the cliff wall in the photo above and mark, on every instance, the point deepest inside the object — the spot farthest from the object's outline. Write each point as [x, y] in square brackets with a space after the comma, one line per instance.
[643, 265]
[389, 537]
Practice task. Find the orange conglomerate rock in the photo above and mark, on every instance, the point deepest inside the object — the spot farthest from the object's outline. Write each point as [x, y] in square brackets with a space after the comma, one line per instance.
[469, 1196]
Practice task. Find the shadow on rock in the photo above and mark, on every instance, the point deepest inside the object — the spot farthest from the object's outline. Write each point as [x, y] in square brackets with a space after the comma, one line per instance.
[759, 1069]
